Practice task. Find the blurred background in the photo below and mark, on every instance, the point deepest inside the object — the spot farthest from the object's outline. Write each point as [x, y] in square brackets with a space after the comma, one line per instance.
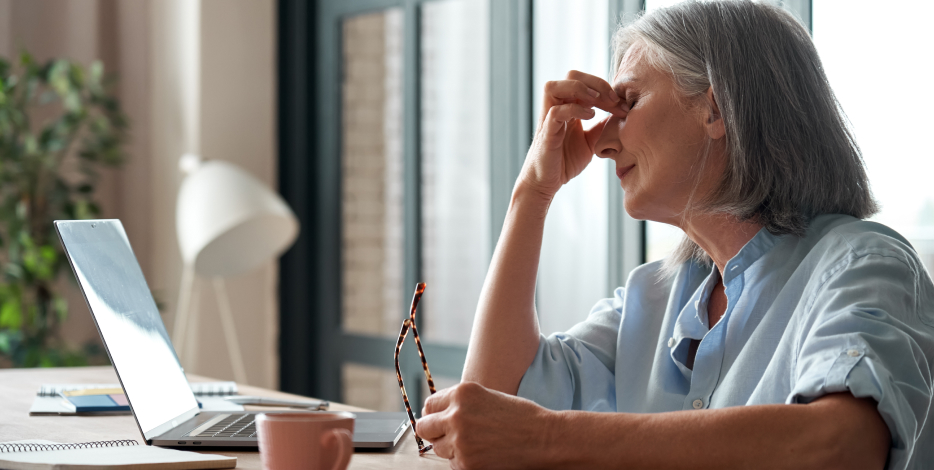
[191, 77]
[395, 129]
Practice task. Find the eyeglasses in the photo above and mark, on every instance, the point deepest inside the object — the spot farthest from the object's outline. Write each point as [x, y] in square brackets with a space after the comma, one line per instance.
[410, 323]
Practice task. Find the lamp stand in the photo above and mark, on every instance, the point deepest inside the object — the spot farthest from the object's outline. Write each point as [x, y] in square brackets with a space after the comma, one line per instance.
[182, 311]
[187, 319]
[230, 330]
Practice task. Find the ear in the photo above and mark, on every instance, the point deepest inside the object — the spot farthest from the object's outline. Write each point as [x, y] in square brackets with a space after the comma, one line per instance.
[715, 127]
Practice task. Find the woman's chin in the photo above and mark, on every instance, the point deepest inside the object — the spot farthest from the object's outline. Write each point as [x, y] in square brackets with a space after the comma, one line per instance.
[634, 209]
[648, 212]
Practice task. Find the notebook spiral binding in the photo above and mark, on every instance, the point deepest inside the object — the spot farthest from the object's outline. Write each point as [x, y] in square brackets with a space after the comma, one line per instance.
[55, 390]
[26, 447]
[201, 389]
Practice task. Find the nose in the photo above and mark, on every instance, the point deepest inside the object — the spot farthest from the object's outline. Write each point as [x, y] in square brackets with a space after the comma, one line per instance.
[608, 144]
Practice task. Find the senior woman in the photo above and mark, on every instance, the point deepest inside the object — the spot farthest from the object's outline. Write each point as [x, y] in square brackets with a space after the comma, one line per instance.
[783, 332]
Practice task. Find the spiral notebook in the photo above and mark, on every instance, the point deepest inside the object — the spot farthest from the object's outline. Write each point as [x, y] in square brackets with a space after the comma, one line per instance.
[101, 455]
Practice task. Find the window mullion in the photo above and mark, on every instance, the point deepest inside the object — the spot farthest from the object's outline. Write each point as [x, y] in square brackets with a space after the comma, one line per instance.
[510, 101]
[411, 161]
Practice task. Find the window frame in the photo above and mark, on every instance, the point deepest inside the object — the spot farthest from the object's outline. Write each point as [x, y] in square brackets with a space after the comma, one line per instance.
[313, 345]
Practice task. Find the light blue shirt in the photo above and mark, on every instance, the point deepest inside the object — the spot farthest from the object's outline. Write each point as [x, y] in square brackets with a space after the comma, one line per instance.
[847, 307]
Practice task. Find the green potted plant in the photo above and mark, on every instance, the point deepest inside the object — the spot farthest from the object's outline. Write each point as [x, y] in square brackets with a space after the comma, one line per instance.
[59, 123]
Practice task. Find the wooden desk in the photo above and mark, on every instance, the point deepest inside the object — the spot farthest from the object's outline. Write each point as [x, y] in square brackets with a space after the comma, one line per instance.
[18, 388]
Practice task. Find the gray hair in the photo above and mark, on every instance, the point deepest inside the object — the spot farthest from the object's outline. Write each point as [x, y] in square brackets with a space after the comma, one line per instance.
[791, 155]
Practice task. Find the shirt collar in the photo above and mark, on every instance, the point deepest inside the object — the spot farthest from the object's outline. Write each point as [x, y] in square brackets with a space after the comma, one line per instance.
[690, 324]
[759, 245]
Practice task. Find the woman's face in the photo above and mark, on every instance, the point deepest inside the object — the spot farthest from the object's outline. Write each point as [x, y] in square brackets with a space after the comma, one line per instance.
[658, 147]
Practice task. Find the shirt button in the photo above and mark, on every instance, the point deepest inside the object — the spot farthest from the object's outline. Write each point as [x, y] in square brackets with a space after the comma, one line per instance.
[697, 305]
[852, 353]
[734, 267]
[671, 342]
[698, 404]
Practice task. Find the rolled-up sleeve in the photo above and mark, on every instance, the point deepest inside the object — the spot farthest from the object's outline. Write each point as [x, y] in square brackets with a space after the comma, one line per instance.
[872, 336]
[575, 370]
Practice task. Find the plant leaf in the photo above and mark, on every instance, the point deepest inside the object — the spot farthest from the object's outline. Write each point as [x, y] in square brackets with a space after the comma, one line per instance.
[11, 314]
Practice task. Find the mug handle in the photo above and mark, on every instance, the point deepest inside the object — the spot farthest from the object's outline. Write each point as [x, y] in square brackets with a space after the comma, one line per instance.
[343, 440]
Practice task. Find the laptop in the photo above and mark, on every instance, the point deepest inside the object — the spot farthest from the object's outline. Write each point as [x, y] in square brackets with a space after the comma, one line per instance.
[128, 321]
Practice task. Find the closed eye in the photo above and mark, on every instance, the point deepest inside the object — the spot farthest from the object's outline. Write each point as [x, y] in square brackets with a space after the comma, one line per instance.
[632, 99]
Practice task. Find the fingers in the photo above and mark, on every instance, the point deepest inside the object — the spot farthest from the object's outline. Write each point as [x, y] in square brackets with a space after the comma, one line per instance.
[570, 91]
[431, 427]
[438, 402]
[608, 101]
[576, 91]
[553, 127]
[593, 134]
[595, 83]
[566, 112]
[443, 448]
[435, 421]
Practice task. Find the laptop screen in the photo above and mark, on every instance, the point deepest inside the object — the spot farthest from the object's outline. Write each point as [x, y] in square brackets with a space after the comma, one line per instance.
[128, 321]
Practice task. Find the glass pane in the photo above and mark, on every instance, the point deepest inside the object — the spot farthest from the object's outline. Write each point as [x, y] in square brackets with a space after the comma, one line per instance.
[455, 158]
[372, 388]
[881, 80]
[573, 269]
[371, 156]
[660, 240]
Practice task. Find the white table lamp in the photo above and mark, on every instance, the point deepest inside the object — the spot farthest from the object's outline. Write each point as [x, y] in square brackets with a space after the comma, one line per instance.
[228, 223]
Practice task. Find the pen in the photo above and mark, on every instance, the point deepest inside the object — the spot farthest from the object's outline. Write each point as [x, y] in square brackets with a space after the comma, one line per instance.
[262, 401]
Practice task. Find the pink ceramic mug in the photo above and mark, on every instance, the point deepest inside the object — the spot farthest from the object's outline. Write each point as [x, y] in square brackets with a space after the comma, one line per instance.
[309, 440]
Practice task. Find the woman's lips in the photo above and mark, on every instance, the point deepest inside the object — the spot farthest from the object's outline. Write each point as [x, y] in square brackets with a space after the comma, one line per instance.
[621, 172]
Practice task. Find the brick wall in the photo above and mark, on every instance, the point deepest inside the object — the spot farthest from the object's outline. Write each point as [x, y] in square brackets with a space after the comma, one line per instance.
[372, 197]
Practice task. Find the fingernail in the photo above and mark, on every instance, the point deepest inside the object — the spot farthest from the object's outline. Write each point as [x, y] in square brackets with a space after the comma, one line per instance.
[614, 97]
[593, 92]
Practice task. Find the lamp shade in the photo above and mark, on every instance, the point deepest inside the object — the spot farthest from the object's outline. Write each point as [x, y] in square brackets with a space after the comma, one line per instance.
[229, 222]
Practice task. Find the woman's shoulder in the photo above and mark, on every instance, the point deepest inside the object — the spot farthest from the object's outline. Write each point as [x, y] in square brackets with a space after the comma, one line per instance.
[650, 274]
[831, 242]
[836, 236]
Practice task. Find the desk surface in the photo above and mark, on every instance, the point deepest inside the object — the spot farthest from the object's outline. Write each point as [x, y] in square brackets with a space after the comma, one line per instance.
[18, 388]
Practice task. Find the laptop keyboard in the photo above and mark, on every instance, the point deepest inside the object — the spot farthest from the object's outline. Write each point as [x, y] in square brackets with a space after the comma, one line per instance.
[243, 425]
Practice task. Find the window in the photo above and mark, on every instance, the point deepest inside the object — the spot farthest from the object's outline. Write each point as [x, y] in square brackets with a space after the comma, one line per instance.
[573, 270]
[877, 58]
[455, 164]
[371, 173]
[372, 216]
[385, 185]
[423, 113]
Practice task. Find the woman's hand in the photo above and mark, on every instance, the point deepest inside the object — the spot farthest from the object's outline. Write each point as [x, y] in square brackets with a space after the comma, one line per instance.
[562, 148]
[476, 427]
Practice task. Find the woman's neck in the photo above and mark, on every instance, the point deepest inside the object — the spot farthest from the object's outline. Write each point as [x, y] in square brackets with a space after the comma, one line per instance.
[721, 236]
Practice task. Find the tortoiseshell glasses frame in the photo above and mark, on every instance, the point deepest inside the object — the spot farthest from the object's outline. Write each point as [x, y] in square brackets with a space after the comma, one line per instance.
[410, 323]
